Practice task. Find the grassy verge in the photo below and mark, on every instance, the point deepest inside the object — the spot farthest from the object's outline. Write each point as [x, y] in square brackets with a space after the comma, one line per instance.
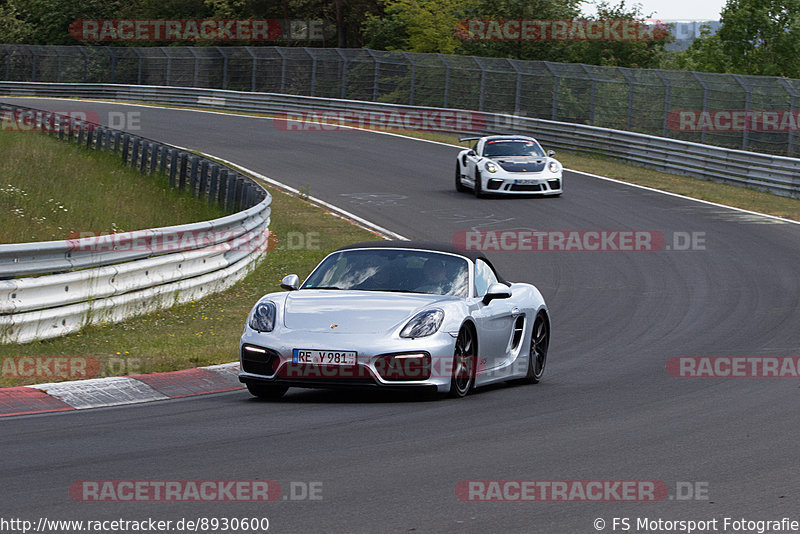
[49, 188]
[207, 331]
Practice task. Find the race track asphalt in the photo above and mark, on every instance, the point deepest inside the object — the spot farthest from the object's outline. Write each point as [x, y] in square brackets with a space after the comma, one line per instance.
[607, 410]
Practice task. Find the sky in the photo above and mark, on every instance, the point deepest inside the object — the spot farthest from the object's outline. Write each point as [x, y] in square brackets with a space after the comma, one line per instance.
[673, 9]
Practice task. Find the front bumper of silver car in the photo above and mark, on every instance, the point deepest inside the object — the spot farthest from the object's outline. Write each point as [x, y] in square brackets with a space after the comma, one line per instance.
[392, 363]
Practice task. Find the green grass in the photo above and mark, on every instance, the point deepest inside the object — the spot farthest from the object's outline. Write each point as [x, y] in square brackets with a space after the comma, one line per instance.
[50, 189]
[729, 195]
[204, 332]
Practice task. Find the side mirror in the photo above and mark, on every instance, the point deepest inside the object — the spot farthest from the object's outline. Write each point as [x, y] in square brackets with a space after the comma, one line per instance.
[290, 282]
[471, 153]
[497, 291]
[551, 153]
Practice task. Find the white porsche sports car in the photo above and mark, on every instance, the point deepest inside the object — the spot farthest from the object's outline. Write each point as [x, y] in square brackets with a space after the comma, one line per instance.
[509, 165]
[396, 314]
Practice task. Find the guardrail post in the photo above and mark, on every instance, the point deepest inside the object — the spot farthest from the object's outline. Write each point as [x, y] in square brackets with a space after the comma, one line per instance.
[213, 184]
[230, 194]
[135, 152]
[164, 156]
[250, 193]
[98, 138]
[117, 141]
[237, 192]
[174, 162]
[194, 174]
[47, 123]
[79, 136]
[145, 154]
[155, 149]
[202, 179]
[223, 187]
[126, 148]
[184, 158]
[89, 136]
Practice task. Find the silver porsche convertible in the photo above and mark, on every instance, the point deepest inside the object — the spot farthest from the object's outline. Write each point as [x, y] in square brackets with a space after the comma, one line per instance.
[396, 314]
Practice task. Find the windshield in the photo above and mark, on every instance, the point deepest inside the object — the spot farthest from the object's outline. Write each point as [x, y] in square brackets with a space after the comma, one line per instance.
[407, 271]
[512, 147]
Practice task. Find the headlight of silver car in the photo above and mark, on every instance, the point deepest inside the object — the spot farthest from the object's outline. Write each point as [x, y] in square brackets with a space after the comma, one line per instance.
[491, 167]
[554, 166]
[423, 324]
[263, 318]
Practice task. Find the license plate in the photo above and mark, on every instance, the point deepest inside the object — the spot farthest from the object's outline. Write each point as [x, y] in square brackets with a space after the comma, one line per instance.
[324, 357]
[525, 182]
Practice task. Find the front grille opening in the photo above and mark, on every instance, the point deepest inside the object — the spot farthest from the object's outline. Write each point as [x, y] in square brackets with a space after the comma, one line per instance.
[259, 360]
[494, 184]
[404, 367]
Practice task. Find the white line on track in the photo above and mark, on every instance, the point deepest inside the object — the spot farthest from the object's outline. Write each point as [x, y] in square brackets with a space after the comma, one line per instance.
[372, 225]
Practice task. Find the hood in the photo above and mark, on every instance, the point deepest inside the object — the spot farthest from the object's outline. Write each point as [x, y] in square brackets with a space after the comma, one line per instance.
[521, 163]
[354, 312]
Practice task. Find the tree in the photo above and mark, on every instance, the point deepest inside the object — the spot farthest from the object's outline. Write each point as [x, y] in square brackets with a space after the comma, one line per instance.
[417, 26]
[646, 52]
[13, 28]
[705, 54]
[759, 37]
[48, 21]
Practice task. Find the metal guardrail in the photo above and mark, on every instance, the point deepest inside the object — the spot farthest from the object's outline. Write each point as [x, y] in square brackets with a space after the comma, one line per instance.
[648, 101]
[777, 174]
[109, 278]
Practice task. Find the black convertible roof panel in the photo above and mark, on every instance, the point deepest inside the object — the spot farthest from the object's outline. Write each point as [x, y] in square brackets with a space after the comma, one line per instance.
[424, 245]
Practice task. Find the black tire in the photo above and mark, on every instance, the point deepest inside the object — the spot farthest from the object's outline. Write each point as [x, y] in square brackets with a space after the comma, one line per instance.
[465, 358]
[477, 187]
[459, 186]
[540, 341]
[266, 392]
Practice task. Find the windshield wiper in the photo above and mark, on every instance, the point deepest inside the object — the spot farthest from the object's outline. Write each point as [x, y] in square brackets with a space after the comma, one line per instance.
[324, 287]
